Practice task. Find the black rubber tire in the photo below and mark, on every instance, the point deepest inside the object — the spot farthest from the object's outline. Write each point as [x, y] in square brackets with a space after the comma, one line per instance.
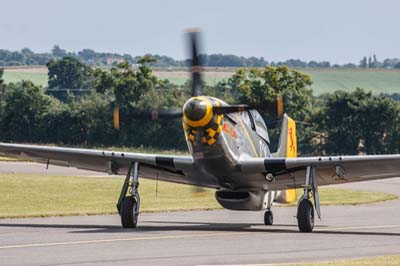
[305, 216]
[128, 219]
[268, 218]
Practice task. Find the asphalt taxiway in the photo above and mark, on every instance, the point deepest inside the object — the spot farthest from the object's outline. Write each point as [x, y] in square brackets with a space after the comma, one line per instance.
[206, 237]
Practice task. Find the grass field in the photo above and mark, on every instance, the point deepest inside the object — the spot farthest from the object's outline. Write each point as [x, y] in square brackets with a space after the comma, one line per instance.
[393, 260]
[7, 159]
[329, 80]
[36, 75]
[325, 80]
[30, 196]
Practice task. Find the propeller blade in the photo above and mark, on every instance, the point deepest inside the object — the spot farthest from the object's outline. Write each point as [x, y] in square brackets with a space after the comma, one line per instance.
[231, 109]
[146, 114]
[194, 37]
[274, 109]
[279, 106]
[153, 114]
[116, 117]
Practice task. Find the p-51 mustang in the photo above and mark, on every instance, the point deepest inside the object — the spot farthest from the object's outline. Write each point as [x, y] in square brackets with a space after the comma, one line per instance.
[229, 148]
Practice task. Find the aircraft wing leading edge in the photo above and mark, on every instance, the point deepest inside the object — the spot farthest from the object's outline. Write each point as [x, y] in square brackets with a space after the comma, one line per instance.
[330, 170]
[178, 169]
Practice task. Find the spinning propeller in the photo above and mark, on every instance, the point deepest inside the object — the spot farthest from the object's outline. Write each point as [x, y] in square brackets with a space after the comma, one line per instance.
[195, 107]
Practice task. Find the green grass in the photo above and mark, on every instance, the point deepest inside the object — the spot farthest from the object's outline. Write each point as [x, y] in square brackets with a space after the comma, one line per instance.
[34, 195]
[7, 159]
[38, 78]
[340, 196]
[392, 260]
[29, 196]
[325, 80]
[378, 80]
[329, 80]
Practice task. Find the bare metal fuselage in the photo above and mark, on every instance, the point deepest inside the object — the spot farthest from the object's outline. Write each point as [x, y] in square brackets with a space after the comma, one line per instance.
[220, 161]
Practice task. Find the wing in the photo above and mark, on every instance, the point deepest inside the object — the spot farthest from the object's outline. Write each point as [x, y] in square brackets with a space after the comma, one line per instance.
[290, 172]
[178, 169]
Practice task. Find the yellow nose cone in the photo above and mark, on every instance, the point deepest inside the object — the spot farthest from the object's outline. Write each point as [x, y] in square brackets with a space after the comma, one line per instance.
[197, 112]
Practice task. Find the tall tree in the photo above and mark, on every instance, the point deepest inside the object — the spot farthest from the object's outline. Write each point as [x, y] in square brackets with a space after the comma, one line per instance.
[363, 62]
[22, 115]
[58, 52]
[260, 89]
[1, 77]
[360, 122]
[68, 75]
[374, 62]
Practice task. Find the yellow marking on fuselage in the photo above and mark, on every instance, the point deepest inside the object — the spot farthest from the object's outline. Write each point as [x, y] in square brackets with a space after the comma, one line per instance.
[211, 141]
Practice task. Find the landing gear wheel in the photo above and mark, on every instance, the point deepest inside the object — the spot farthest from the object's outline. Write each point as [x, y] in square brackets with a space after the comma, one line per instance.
[305, 216]
[268, 218]
[129, 217]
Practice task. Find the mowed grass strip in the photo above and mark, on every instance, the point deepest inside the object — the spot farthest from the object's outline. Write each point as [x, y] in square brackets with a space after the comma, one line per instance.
[8, 159]
[31, 196]
[39, 196]
[37, 77]
[393, 260]
[324, 80]
[342, 196]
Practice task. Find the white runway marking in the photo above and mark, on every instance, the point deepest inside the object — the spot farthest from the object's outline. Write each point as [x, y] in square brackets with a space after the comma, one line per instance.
[118, 240]
[356, 228]
[236, 265]
[180, 236]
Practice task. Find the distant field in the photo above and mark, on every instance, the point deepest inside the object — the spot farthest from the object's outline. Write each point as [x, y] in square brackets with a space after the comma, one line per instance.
[325, 80]
[36, 75]
[328, 80]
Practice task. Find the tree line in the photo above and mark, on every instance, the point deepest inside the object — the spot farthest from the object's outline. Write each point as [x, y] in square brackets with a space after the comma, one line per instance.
[76, 108]
[26, 57]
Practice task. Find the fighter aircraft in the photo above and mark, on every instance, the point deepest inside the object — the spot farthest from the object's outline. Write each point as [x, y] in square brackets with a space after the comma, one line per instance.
[229, 147]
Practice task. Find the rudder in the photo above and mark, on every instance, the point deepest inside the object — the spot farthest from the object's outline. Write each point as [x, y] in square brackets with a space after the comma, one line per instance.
[287, 148]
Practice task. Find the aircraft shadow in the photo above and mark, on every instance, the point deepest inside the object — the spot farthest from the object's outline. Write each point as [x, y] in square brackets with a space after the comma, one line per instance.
[194, 226]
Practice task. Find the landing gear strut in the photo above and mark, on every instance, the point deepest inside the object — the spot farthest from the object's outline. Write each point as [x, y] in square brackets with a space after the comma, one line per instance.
[305, 210]
[268, 217]
[129, 200]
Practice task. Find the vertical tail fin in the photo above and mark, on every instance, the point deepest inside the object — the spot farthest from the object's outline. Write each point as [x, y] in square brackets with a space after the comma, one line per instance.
[287, 148]
[288, 141]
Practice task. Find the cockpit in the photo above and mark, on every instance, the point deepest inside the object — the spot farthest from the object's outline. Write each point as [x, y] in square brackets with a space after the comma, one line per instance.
[254, 120]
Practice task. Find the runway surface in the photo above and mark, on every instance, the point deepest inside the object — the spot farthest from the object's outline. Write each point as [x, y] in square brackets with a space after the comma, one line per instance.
[206, 237]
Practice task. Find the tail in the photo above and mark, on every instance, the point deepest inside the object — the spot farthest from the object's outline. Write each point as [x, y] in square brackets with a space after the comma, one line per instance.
[287, 148]
[288, 141]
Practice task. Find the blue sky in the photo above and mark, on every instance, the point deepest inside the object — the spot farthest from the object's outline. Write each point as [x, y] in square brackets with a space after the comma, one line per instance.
[339, 31]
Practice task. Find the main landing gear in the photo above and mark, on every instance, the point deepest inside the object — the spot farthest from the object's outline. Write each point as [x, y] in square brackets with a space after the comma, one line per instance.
[268, 216]
[129, 200]
[305, 209]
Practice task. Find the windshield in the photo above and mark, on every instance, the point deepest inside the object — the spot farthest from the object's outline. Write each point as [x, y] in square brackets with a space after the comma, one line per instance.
[260, 126]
